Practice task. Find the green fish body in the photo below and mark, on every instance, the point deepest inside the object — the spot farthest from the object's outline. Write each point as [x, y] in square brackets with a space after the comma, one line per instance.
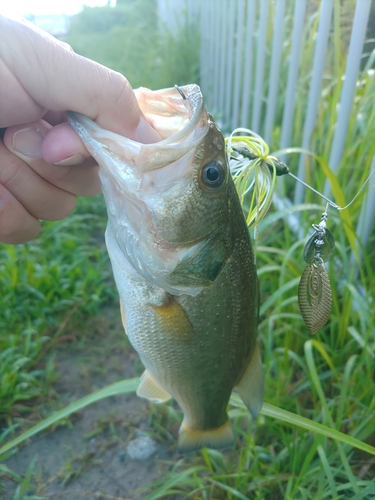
[182, 261]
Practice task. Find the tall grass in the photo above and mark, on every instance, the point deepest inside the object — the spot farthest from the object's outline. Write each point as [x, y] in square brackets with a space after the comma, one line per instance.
[144, 48]
[43, 284]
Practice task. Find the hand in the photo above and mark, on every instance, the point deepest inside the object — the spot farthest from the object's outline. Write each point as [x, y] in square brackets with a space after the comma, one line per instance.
[43, 163]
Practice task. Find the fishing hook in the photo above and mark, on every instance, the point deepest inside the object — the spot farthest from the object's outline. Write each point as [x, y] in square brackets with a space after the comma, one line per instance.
[180, 92]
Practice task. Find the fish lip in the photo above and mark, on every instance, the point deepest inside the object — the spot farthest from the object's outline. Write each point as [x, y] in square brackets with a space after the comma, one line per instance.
[193, 98]
[151, 156]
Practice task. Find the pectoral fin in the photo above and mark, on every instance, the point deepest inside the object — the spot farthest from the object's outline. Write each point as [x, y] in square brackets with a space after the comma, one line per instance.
[173, 320]
[123, 317]
[150, 389]
[251, 385]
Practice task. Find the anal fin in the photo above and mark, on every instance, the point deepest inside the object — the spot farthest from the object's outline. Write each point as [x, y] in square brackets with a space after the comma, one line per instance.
[251, 385]
[150, 389]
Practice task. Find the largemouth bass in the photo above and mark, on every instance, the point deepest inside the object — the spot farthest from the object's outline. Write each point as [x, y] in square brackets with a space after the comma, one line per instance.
[183, 262]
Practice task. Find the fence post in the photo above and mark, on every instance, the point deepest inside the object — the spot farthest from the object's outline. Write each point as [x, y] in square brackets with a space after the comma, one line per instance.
[277, 48]
[357, 39]
[248, 62]
[259, 70]
[315, 86]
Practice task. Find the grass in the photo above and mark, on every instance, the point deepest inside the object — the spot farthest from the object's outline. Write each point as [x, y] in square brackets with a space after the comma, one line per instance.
[44, 284]
[327, 379]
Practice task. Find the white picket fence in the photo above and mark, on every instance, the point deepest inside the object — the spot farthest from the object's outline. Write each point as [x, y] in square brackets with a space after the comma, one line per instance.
[242, 43]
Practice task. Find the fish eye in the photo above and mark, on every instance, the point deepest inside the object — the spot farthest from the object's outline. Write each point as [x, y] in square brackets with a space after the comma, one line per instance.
[213, 174]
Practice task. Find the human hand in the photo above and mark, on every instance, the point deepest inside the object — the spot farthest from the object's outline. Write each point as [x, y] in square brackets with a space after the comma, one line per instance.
[43, 163]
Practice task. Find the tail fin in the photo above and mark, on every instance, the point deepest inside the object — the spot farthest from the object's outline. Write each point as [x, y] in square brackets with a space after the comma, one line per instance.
[192, 440]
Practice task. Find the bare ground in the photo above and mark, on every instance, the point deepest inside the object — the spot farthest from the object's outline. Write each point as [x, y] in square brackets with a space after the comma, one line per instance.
[85, 456]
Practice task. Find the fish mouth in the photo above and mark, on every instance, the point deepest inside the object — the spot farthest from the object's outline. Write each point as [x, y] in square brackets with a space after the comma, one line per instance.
[130, 170]
[173, 111]
[180, 121]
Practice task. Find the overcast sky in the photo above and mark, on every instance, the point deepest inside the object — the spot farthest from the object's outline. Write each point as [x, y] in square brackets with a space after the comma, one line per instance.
[38, 7]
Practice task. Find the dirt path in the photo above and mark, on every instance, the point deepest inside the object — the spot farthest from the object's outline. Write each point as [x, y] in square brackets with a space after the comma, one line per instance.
[85, 457]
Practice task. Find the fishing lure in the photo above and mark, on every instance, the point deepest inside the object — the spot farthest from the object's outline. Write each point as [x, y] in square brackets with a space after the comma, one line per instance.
[314, 291]
[253, 167]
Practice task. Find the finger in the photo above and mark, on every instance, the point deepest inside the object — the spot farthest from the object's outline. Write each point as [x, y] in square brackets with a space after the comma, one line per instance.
[40, 198]
[16, 224]
[61, 144]
[76, 173]
[58, 79]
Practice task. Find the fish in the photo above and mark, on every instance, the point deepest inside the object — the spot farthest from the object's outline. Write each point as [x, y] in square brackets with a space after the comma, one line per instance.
[183, 262]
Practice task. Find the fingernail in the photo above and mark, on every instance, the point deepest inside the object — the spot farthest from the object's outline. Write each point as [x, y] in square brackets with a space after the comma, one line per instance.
[76, 159]
[145, 133]
[28, 142]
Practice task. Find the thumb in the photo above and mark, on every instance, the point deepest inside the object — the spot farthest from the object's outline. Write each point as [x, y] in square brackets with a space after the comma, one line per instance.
[57, 79]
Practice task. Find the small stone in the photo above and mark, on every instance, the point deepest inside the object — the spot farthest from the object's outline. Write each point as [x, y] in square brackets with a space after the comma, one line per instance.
[141, 448]
[121, 456]
[91, 446]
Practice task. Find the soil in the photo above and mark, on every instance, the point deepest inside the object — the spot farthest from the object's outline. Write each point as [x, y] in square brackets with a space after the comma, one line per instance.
[85, 456]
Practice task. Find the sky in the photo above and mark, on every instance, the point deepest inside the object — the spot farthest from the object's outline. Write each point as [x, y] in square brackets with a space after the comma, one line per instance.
[48, 7]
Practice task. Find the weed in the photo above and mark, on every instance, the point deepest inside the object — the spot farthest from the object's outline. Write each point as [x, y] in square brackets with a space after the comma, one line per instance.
[44, 283]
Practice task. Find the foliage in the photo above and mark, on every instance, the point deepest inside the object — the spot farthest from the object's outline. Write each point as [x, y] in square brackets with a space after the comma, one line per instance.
[360, 147]
[97, 20]
[64, 271]
[132, 40]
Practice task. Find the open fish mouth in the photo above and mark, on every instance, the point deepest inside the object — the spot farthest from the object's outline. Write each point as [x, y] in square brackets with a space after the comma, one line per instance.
[180, 121]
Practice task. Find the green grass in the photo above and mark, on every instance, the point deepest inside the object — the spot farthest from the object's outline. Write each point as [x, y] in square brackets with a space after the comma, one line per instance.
[327, 379]
[61, 274]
